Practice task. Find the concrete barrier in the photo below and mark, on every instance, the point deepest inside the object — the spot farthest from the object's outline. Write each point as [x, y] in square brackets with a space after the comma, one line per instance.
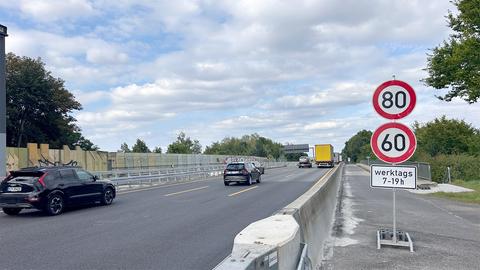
[312, 216]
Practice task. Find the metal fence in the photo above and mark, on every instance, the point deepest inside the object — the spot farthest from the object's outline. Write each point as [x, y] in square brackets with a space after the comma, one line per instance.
[423, 168]
[152, 177]
[119, 160]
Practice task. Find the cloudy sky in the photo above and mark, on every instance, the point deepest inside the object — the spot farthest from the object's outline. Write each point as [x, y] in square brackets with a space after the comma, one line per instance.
[298, 71]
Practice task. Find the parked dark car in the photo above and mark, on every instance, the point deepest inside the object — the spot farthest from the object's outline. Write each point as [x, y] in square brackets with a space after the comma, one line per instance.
[51, 189]
[241, 172]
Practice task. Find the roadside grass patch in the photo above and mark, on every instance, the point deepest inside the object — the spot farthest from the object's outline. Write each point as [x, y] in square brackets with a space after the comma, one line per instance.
[469, 197]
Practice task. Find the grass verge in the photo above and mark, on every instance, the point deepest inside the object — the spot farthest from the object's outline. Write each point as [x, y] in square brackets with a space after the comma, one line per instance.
[469, 197]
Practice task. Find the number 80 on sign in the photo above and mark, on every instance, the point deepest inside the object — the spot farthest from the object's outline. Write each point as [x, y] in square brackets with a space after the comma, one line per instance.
[393, 143]
[394, 99]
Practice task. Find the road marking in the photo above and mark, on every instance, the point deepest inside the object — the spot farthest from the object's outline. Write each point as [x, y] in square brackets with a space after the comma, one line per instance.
[161, 186]
[185, 191]
[241, 191]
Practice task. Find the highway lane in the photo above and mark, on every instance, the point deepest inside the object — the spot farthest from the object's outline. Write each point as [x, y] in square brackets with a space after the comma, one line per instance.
[186, 226]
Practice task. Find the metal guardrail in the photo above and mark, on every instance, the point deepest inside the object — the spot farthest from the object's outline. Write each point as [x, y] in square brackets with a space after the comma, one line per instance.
[167, 175]
[423, 168]
[304, 262]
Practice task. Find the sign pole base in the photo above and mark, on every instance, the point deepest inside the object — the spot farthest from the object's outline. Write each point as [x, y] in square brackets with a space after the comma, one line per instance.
[385, 237]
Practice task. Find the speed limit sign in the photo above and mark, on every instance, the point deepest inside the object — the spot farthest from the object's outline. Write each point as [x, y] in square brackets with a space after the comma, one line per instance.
[394, 99]
[393, 143]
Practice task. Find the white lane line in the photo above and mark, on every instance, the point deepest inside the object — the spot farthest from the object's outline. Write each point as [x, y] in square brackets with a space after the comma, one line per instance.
[241, 191]
[185, 191]
[161, 186]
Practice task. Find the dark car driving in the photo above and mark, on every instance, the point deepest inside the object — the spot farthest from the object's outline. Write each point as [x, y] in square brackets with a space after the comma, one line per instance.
[259, 166]
[241, 172]
[51, 189]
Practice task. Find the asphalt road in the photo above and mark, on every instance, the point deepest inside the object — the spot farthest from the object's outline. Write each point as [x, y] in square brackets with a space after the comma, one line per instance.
[446, 234]
[184, 226]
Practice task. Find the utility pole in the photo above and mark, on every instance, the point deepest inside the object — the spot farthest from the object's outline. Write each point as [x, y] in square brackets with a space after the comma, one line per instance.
[3, 104]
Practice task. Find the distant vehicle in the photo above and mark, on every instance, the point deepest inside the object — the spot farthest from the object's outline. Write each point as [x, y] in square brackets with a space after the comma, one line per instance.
[304, 162]
[51, 189]
[241, 172]
[337, 157]
[259, 166]
[324, 155]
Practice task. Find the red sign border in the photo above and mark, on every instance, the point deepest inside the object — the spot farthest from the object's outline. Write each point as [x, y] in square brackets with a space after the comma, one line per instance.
[407, 111]
[394, 160]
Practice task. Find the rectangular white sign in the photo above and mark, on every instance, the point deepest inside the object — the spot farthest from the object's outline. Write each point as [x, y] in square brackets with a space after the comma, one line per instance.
[386, 176]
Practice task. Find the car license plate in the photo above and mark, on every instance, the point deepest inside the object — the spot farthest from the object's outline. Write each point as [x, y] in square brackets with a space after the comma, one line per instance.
[234, 172]
[14, 189]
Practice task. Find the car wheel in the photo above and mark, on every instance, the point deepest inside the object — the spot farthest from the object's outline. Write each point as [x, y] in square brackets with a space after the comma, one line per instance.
[259, 179]
[226, 183]
[108, 196]
[249, 180]
[12, 211]
[55, 205]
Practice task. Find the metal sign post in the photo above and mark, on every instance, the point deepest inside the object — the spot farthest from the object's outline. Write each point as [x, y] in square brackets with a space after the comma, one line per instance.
[394, 219]
[393, 143]
[3, 104]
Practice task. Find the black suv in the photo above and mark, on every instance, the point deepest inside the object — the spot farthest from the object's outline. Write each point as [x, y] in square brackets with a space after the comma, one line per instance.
[241, 172]
[51, 189]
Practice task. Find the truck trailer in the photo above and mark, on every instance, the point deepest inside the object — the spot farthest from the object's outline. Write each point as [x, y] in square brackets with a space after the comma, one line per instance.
[324, 155]
[337, 157]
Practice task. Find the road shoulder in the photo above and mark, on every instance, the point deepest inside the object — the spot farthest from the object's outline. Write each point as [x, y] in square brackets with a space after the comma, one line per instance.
[446, 234]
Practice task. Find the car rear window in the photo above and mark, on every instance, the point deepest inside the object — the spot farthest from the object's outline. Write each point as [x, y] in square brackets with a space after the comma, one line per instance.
[235, 166]
[24, 177]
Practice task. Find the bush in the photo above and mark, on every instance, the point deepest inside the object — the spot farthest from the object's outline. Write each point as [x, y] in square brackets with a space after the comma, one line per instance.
[464, 167]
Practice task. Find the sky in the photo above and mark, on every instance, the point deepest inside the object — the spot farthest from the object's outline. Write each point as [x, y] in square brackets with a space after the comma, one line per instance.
[300, 71]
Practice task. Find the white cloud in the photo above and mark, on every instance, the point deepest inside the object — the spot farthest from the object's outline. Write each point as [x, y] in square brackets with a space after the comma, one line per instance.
[341, 94]
[321, 125]
[54, 10]
[105, 56]
[90, 97]
[300, 71]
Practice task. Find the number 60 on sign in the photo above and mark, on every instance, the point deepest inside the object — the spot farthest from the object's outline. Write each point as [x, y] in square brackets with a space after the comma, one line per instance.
[393, 143]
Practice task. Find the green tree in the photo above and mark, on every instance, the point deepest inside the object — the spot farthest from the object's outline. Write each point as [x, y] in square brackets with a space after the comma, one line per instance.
[157, 150]
[140, 147]
[39, 106]
[124, 148]
[247, 145]
[197, 147]
[358, 147]
[86, 144]
[184, 145]
[456, 63]
[446, 136]
[295, 156]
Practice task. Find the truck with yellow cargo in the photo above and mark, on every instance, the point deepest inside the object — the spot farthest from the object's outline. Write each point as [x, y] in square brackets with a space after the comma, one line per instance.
[324, 155]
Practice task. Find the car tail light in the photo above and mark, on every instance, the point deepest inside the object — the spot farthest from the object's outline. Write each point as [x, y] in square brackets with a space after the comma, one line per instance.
[244, 171]
[41, 180]
[224, 171]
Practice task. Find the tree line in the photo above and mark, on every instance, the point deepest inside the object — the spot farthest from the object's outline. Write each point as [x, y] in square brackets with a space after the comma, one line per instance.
[441, 142]
[247, 145]
[183, 145]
